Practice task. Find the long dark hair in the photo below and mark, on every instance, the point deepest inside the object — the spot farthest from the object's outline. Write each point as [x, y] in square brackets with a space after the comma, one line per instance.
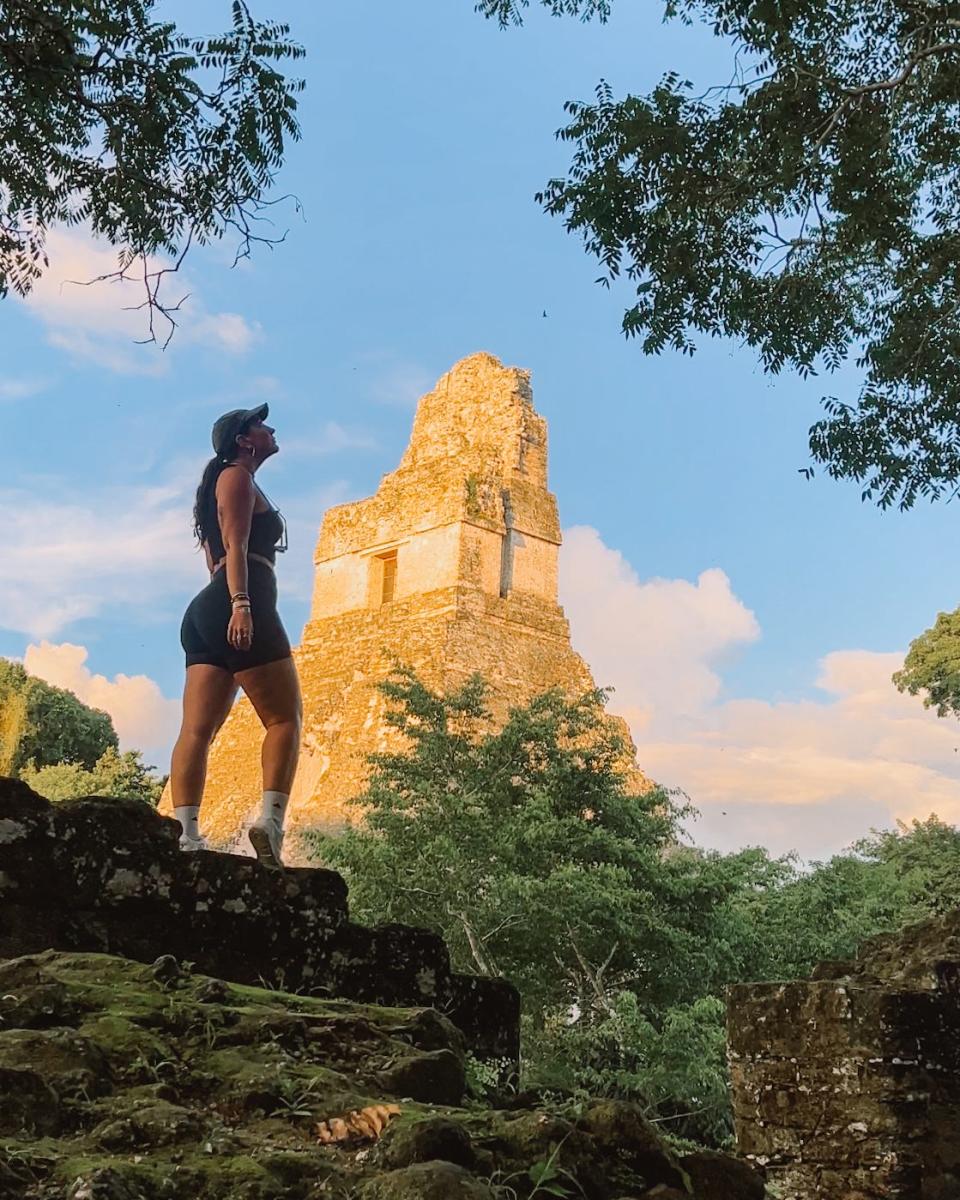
[208, 484]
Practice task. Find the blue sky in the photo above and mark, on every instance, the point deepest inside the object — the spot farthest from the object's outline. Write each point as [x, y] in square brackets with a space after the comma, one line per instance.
[426, 133]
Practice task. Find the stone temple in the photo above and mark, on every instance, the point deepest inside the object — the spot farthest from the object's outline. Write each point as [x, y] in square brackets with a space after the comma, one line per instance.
[451, 568]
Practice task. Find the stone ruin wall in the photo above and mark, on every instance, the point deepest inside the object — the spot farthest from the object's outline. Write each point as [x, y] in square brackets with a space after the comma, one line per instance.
[846, 1086]
[476, 534]
[63, 886]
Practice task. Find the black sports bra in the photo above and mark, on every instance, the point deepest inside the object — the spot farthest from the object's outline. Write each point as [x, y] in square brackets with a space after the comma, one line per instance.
[267, 529]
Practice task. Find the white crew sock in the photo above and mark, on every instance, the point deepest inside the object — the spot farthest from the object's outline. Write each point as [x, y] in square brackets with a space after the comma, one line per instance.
[274, 807]
[188, 816]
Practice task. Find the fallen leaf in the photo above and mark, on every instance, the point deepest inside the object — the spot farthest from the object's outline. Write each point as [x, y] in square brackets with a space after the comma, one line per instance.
[362, 1124]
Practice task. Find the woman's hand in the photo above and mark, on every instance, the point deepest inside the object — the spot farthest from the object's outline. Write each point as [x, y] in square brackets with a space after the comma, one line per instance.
[240, 629]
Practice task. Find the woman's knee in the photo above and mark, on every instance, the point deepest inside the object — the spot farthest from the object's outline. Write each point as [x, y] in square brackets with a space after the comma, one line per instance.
[200, 734]
[288, 723]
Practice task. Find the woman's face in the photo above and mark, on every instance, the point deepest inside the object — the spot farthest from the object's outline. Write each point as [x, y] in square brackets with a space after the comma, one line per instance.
[259, 435]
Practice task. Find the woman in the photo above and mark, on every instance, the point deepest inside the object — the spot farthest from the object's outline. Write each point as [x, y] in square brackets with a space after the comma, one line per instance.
[232, 635]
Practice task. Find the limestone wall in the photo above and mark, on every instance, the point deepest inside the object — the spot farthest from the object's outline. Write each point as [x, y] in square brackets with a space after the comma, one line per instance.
[847, 1086]
[426, 561]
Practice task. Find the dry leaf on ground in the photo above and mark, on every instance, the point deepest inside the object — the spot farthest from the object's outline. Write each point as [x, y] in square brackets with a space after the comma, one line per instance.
[363, 1124]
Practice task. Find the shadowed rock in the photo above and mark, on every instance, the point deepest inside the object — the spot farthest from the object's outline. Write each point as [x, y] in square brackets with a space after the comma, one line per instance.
[848, 1083]
[179, 1087]
[127, 1074]
[64, 885]
[429, 1140]
[427, 1181]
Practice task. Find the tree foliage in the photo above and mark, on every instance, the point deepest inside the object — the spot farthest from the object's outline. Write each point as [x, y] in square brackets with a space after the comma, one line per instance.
[886, 880]
[519, 844]
[47, 725]
[153, 138]
[510, 12]
[523, 846]
[14, 725]
[121, 776]
[809, 206]
[932, 666]
[676, 1066]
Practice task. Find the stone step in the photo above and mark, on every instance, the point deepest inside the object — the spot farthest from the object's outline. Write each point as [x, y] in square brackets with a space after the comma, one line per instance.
[107, 875]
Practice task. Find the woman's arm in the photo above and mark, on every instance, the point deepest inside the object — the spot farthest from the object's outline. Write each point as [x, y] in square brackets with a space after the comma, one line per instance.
[236, 497]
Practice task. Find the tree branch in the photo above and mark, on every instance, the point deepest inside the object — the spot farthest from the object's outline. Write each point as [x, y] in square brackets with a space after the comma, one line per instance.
[486, 965]
[886, 85]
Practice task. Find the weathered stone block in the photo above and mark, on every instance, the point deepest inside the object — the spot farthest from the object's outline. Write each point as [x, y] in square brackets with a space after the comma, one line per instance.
[25, 820]
[137, 895]
[721, 1177]
[850, 1087]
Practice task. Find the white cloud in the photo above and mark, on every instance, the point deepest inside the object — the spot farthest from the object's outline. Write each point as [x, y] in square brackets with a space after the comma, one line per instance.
[330, 439]
[21, 389]
[76, 556]
[658, 641]
[804, 774]
[101, 322]
[262, 387]
[226, 331]
[107, 351]
[142, 716]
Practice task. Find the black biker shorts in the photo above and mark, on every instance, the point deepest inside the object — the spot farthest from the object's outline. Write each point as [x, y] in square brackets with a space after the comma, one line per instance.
[203, 633]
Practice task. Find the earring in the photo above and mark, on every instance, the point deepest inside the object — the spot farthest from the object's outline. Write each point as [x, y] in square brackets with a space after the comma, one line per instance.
[252, 451]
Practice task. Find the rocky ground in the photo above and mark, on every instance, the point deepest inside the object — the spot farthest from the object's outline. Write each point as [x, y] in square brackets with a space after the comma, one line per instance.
[126, 1081]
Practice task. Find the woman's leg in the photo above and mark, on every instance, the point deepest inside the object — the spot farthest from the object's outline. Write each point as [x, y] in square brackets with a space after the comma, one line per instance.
[208, 694]
[274, 692]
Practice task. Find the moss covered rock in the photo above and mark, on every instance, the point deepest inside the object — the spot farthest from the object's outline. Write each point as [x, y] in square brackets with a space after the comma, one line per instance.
[427, 1181]
[64, 886]
[122, 1080]
[430, 1140]
[722, 1177]
[432, 1076]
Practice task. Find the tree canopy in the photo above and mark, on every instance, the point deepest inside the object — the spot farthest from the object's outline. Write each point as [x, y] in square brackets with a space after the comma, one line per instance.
[120, 776]
[152, 138]
[515, 843]
[525, 848]
[510, 12]
[807, 205]
[932, 666]
[46, 725]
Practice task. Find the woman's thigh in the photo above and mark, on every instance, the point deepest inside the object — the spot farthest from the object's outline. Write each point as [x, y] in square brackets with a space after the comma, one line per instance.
[273, 690]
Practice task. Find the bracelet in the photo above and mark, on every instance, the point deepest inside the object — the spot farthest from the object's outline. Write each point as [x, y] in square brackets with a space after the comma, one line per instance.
[241, 606]
[240, 596]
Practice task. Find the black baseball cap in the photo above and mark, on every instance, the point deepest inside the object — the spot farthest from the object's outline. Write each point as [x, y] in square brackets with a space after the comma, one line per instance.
[226, 428]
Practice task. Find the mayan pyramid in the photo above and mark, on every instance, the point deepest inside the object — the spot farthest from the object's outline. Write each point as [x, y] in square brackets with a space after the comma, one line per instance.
[451, 568]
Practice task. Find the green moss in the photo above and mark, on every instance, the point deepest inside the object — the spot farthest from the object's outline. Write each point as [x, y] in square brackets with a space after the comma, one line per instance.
[125, 1042]
[227, 1108]
[268, 1000]
[200, 1176]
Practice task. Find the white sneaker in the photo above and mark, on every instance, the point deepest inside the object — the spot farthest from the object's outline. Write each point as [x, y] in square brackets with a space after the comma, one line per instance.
[267, 841]
[189, 843]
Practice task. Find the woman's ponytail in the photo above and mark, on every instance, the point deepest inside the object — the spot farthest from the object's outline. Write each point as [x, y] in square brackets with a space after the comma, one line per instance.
[208, 483]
